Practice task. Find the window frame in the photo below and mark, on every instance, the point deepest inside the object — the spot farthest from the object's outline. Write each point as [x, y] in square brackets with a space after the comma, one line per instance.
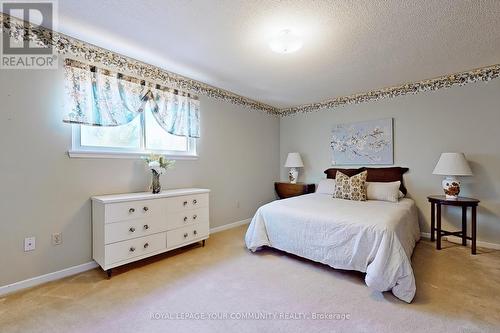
[79, 151]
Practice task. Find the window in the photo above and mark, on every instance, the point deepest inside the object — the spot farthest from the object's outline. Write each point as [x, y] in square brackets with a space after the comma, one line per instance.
[116, 115]
[139, 137]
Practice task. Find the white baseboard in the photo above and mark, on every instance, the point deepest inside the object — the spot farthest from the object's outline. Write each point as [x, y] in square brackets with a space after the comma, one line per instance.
[486, 245]
[426, 235]
[458, 240]
[229, 226]
[16, 286]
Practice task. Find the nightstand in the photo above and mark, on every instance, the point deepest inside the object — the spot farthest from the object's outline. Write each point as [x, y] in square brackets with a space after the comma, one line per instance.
[288, 190]
[436, 202]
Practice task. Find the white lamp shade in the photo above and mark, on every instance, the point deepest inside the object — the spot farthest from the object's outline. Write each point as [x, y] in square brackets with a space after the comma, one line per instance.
[294, 161]
[452, 164]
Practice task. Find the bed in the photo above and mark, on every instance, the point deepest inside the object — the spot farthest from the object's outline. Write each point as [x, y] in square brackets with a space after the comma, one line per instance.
[376, 237]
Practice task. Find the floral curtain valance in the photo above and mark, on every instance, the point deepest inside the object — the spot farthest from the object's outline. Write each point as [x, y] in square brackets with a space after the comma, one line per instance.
[99, 97]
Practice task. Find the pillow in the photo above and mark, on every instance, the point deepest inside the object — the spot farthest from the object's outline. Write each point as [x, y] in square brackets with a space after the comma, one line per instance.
[387, 174]
[326, 186]
[383, 191]
[351, 188]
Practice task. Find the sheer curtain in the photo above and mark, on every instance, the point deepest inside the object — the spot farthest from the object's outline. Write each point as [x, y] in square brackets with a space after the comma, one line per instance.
[98, 97]
[177, 113]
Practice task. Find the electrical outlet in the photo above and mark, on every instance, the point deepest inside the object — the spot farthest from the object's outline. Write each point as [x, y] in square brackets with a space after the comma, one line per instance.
[57, 238]
[29, 244]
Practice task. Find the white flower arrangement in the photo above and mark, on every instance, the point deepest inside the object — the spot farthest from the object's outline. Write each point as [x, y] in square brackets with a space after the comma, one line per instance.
[159, 163]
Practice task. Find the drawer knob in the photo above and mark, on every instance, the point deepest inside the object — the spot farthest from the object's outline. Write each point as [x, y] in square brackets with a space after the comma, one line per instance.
[185, 219]
[145, 209]
[132, 249]
[185, 203]
[194, 217]
[146, 227]
[185, 235]
[132, 229]
[131, 210]
[146, 245]
[195, 232]
[195, 202]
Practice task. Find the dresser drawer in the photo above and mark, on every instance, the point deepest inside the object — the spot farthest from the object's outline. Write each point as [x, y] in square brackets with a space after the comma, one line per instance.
[186, 234]
[125, 250]
[187, 202]
[132, 210]
[188, 217]
[119, 231]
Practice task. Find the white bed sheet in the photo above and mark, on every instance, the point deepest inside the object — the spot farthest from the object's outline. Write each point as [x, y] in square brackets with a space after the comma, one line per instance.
[375, 237]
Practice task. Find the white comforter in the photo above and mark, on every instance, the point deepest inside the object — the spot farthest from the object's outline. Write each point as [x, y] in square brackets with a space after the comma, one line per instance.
[375, 237]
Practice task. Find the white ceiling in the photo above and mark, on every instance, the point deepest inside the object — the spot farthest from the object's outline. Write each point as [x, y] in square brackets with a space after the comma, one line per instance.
[349, 46]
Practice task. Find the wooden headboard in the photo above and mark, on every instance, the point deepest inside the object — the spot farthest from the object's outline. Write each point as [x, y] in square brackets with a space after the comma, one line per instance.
[384, 175]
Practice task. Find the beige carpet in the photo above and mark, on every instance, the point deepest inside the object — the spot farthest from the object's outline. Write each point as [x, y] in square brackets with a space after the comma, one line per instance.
[456, 292]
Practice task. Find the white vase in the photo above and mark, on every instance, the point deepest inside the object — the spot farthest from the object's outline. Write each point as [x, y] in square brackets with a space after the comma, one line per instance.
[293, 175]
[451, 187]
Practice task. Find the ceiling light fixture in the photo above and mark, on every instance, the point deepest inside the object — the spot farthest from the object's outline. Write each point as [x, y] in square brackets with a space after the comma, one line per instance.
[285, 42]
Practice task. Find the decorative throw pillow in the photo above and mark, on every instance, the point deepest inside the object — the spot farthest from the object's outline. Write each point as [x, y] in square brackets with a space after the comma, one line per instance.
[351, 188]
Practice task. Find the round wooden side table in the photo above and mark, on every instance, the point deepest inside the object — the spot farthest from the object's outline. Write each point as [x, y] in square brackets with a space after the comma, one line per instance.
[436, 202]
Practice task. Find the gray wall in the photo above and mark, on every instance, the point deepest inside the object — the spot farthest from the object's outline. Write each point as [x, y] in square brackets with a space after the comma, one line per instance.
[464, 119]
[44, 191]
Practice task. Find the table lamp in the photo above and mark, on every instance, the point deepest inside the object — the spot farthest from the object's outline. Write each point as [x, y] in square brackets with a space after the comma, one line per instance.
[293, 161]
[452, 165]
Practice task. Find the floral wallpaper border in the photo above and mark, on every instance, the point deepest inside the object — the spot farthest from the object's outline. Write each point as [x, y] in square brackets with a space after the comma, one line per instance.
[459, 79]
[67, 45]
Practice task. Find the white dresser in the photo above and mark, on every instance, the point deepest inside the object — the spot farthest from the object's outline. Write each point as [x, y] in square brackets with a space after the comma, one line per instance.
[130, 227]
